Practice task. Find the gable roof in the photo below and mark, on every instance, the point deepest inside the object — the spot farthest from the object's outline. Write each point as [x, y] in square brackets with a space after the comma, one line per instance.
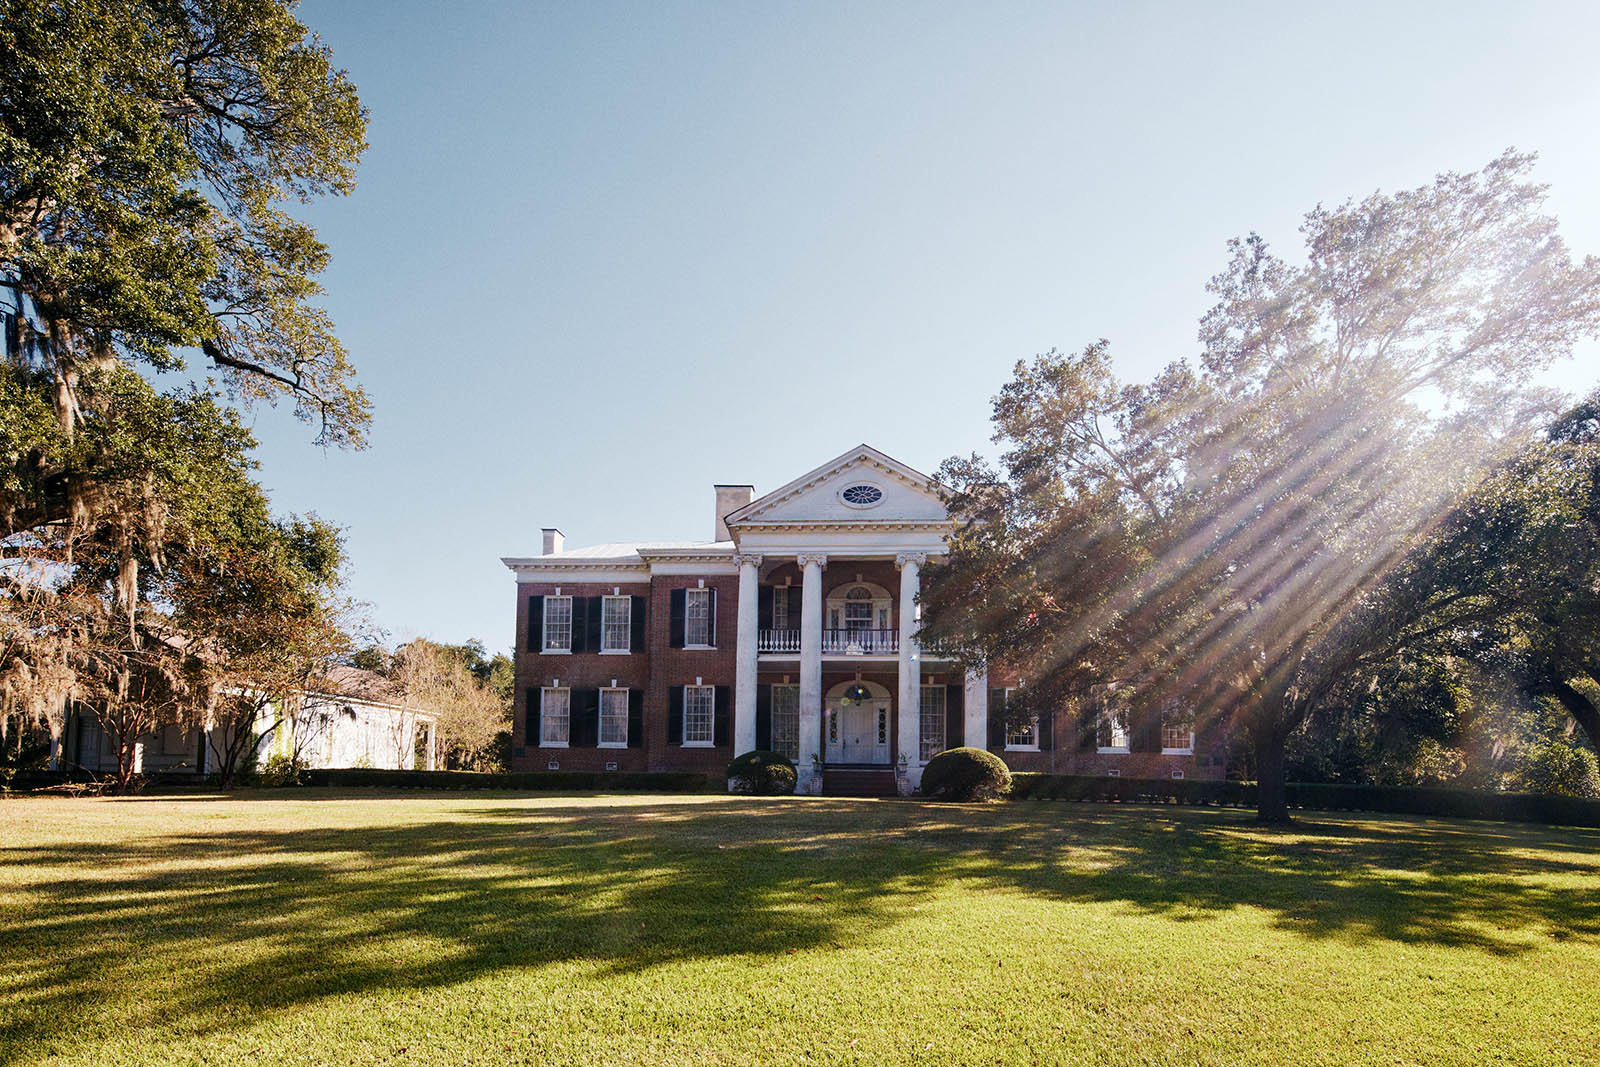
[863, 455]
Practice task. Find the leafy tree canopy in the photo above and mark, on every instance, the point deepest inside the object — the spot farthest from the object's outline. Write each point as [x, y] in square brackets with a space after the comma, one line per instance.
[1215, 536]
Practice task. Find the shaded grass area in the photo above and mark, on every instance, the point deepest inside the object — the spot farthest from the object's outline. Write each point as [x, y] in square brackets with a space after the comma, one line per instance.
[347, 928]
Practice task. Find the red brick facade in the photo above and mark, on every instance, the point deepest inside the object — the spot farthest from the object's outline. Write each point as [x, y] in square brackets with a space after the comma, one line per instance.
[658, 667]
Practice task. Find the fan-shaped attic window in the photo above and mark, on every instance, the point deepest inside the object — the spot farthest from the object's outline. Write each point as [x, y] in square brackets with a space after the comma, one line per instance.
[862, 496]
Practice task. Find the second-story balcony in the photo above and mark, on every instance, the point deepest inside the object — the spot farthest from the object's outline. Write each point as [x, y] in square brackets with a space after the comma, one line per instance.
[853, 642]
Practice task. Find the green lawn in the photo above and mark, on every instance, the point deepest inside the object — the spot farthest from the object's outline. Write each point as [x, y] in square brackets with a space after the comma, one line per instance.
[312, 927]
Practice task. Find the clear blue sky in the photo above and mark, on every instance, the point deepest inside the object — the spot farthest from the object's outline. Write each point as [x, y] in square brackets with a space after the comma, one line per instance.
[603, 256]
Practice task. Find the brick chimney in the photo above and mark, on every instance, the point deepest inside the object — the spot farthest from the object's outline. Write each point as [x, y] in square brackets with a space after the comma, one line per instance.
[730, 498]
[553, 540]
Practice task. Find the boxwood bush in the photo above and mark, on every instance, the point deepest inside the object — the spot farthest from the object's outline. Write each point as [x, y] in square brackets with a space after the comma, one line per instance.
[966, 774]
[762, 773]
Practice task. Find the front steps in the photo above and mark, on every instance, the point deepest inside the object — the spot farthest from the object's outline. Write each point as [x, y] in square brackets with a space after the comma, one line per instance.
[858, 780]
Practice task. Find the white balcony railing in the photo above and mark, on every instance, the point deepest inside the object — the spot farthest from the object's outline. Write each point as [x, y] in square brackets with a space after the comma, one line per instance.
[834, 642]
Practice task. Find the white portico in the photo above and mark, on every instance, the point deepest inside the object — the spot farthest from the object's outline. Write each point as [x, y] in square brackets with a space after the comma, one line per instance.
[829, 571]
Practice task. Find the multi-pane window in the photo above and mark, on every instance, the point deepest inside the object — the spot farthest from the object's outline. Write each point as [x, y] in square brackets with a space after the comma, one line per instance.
[780, 608]
[1177, 729]
[697, 617]
[613, 718]
[932, 724]
[616, 623]
[786, 720]
[699, 714]
[555, 716]
[557, 623]
[1024, 734]
[1112, 727]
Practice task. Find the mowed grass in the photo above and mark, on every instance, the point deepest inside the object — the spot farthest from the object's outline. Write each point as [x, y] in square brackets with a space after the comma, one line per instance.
[352, 928]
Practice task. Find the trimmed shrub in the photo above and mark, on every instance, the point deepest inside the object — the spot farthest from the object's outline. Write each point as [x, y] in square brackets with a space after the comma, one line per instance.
[280, 770]
[1392, 799]
[966, 774]
[533, 781]
[762, 773]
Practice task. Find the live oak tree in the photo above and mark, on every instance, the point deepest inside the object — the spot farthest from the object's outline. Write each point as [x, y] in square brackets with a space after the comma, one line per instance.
[150, 156]
[1215, 538]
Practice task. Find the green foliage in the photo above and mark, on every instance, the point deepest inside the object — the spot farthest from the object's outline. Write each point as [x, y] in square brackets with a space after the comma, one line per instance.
[145, 154]
[762, 773]
[965, 774]
[534, 781]
[1558, 769]
[1228, 534]
[281, 770]
[1556, 809]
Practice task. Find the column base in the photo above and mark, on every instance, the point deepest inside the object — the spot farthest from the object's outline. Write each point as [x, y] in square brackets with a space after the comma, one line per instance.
[908, 779]
[808, 781]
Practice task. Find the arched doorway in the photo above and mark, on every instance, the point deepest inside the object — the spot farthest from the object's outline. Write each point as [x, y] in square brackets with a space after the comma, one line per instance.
[856, 723]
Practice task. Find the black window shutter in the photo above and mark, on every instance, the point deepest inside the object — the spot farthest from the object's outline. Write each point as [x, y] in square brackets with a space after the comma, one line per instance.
[535, 623]
[592, 638]
[1146, 730]
[585, 729]
[764, 608]
[675, 633]
[636, 715]
[763, 718]
[955, 716]
[532, 729]
[580, 623]
[675, 714]
[997, 719]
[711, 630]
[721, 710]
[636, 623]
[1047, 729]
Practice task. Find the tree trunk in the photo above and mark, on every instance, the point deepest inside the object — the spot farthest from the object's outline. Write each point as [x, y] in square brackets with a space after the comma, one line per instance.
[1582, 710]
[1272, 797]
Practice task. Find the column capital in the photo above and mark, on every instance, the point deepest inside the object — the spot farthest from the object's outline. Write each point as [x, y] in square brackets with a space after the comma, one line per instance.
[741, 558]
[919, 558]
[806, 560]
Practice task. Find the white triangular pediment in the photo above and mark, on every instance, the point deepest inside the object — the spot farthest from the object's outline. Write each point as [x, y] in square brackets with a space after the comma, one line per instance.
[862, 485]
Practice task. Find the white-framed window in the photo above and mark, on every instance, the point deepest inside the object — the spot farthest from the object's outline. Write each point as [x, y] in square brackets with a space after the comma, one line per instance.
[786, 720]
[697, 618]
[613, 718]
[555, 717]
[699, 716]
[780, 608]
[933, 720]
[1023, 736]
[616, 623]
[1177, 730]
[557, 624]
[1111, 725]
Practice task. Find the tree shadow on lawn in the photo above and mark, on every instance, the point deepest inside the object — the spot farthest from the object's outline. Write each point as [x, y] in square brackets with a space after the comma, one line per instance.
[242, 922]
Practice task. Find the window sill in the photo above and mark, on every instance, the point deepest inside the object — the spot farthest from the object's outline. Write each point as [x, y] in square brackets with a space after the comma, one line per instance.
[1113, 751]
[699, 744]
[555, 652]
[699, 648]
[552, 744]
[612, 744]
[1022, 748]
[1177, 752]
[616, 651]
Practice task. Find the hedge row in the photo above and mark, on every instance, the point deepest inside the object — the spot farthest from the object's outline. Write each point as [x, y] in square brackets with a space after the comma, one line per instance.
[544, 781]
[1403, 800]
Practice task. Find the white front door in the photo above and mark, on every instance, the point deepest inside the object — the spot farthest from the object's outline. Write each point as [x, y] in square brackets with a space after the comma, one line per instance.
[859, 733]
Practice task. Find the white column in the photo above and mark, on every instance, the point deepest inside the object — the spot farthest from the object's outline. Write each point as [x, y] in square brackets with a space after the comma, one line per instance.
[909, 733]
[977, 710]
[744, 688]
[810, 670]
